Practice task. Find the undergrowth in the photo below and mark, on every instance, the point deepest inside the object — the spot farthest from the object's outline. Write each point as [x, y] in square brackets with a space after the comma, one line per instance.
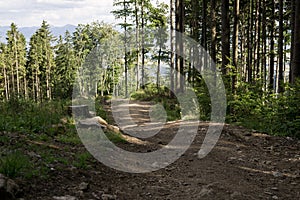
[276, 114]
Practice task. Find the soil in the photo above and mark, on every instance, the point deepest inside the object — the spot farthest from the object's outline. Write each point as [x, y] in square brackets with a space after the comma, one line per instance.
[244, 164]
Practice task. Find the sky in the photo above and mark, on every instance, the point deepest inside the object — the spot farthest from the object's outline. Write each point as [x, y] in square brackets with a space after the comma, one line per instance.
[27, 13]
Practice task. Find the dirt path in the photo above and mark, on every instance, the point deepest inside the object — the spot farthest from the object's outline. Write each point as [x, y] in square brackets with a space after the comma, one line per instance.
[243, 165]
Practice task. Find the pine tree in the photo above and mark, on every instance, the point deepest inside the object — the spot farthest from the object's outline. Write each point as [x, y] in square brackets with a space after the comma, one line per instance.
[41, 64]
[16, 59]
[65, 70]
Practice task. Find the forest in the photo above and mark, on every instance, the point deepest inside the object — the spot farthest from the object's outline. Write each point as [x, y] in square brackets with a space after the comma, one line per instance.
[254, 45]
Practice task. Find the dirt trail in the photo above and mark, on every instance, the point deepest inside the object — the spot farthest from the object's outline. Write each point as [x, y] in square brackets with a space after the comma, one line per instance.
[243, 165]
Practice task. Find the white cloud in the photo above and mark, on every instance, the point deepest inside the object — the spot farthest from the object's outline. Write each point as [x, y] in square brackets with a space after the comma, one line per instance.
[55, 12]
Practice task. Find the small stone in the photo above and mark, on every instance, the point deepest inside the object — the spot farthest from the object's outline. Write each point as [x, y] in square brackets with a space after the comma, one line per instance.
[275, 197]
[268, 162]
[277, 174]
[205, 192]
[84, 186]
[108, 197]
[8, 188]
[235, 195]
[274, 188]
[268, 193]
[67, 197]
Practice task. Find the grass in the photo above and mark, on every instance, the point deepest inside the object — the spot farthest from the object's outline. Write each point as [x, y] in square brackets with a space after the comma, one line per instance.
[81, 160]
[47, 123]
[14, 164]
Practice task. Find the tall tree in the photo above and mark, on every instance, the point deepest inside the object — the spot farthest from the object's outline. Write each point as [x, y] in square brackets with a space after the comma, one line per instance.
[124, 13]
[280, 48]
[179, 23]
[225, 36]
[296, 47]
[213, 27]
[41, 62]
[172, 55]
[16, 55]
[65, 70]
[235, 43]
[3, 68]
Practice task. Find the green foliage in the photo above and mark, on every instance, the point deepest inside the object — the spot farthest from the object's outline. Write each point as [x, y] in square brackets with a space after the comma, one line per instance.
[270, 113]
[81, 160]
[14, 164]
[19, 115]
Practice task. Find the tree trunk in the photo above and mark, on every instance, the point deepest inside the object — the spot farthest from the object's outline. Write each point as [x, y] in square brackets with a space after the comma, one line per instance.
[172, 59]
[137, 29]
[179, 46]
[143, 43]
[204, 29]
[296, 48]
[235, 43]
[225, 36]
[264, 46]
[280, 49]
[213, 27]
[125, 56]
[250, 41]
[272, 48]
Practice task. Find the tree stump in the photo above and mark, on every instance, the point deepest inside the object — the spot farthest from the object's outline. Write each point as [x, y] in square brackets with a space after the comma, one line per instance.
[79, 111]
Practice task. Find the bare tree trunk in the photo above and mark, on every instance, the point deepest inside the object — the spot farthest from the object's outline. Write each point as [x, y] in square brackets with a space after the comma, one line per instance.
[204, 29]
[296, 48]
[213, 25]
[264, 46]
[250, 41]
[179, 45]
[280, 48]
[143, 43]
[172, 59]
[225, 36]
[272, 48]
[5, 83]
[137, 27]
[235, 43]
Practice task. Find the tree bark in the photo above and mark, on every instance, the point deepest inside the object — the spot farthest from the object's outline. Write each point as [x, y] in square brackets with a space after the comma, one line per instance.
[172, 59]
[225, 36]
[296, 48]
[179, 21]
[213, 25]
[280, 49]
[235, 43]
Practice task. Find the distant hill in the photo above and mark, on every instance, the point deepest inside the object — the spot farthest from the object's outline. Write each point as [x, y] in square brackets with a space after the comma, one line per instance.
[29, 31]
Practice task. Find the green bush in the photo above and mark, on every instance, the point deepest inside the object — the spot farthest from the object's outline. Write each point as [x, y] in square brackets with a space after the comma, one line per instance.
[277, 114]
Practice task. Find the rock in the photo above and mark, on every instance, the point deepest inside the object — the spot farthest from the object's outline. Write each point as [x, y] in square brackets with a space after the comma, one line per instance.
[68, 197]
[277, 174]
[275, 197]
[235, 195]
[84, 186]
[8, 188]
[205, 191]
[108, 197]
